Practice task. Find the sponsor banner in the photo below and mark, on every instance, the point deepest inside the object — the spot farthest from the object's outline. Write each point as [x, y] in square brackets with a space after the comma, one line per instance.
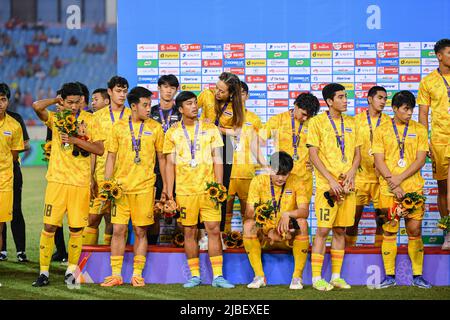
[299, 54]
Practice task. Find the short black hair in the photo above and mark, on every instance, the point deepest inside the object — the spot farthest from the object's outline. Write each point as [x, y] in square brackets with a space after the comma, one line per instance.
[404, 97]
[4, 90]
[169, 79]
[137, 93]
[329, 91]
[117, 81]
[103, 92]
[373, 91]
[281, 163]
[70, 89]
[244, 86]
[182, 97]
[308, 102]
[441, 44]
[85, 91]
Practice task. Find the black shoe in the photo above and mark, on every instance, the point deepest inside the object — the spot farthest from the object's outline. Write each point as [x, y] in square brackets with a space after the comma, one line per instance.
[41, 281]
[69, 279]
[59, 257]
[22, 257]
[3, 257]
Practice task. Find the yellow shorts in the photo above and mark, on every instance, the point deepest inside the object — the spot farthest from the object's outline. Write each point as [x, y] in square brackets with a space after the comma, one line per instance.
[342, 215]
[199, 204]
[138, 207]
[62, 198]
[387, 202]
[440, 162]
[366, 192]
[240, 188]
[6, 206]
[95, 207]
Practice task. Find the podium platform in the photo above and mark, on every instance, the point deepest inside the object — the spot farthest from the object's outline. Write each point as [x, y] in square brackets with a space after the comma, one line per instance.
[168, 265]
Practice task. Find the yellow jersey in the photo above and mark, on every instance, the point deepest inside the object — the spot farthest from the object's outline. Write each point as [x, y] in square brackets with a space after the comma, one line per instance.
[279, 128]
[322, 135]
[385, 142]
[433, 93]
[136, 178]
[63, 167]
[366, 170]
[11, 139]
[244, 163]
[105, 123]
[192, 180]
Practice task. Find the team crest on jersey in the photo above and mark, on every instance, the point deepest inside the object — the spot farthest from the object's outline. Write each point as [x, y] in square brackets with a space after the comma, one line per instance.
[147, 133]
[348, 130]
[411, 135]
[7, 133]
[288, 192]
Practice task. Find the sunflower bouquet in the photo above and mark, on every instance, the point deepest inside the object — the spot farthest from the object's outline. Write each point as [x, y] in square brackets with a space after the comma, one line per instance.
[265, 215]
[216, 192]
[410, 202]
[109, 191]
[178, 238]
[233, 239]
[47, 148]
[66, 123]
[333, 198]
[444, 223]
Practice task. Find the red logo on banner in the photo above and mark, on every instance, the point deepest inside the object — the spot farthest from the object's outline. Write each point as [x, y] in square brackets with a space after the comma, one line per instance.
[364, 85]
[321, 46]
[368, 231]
[387, 46]
[360, 109]
[431, 207]
[234, 46]
[278, 86]
[295, 94]
[388, 70]
[169, 47]
[279, 103]
[368, 215]
[190, 47]
[318, 86]
[155, 95]
[238, 71]
[256, 78]
[361, 94]
[410, 78]
[234, 55]
[387, 54]
[343, 46]
[431, 191]
[212, 63]
[365, 62]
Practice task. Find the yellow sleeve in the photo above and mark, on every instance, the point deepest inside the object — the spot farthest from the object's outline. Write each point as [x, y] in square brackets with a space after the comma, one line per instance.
[17, 139]
[159, 143]
[313, 138]
[169, 145]
[113, 143]
[216, 138]
[253, 194]
[378, 144]
[447, 154]
[423, 97]
[423, 139]
[206, 101]
[266, 132]
[50, 120]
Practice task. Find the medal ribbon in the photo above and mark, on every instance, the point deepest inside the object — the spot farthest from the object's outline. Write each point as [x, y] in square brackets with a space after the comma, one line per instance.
[191, 143]
[338, 137]
[295, 138]
[370, 125]
[401, 144]
[111, 114]
[276, 205]
[165, 122]
[136, 143]
[446, 84]
[223, 110]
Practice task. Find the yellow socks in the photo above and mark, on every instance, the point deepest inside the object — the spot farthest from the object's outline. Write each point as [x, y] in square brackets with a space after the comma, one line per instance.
[337, 258]
[350, 241]
[74, 249]
[138, 265]
[316, 265]
[194, 266]
[116, 265]
[46, 246]
[107, 239]
[415, 252]
[300, 252]
[90, 236]
[378, 240]
[216, 264]
[389, 253]
[253, 249]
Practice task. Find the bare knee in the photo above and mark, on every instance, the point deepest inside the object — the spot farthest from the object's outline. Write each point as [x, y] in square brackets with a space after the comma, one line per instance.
[50, 228]
[119, 230]
[140, 232]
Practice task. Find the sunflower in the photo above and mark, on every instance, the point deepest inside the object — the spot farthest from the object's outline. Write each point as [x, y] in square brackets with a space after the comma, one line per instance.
[70, 127]
[239, 243]
[213, 192]
[258, 210]
[261, 219]
[47, 154]
[222, 197]
[407, 203]
[178, 239]
[222, 188]
[235, 235]
[230, 244]
[264, 207]
[106, 186]
[60, 123]
[71, 119]
[116, 192]
[442, 226]
[419, 203]
[103, 197]
[48, 146]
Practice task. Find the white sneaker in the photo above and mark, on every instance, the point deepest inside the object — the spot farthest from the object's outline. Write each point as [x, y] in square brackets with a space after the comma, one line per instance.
[203, 243]
[296, 284]
[446, 244]
[257, 283]
[224, 246]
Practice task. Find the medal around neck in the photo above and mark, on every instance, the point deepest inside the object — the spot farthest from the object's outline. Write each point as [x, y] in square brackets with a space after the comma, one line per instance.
[193, 163]
[401, 163]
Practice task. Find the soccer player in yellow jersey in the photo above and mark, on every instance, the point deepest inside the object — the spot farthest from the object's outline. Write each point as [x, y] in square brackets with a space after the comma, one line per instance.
[106, 118]
[434, 93]
[367, 184]
[288, 194]
[11, 143]
[244, 166]
[400, 148]
[193, 160]
[132, 151]
[68, 179]
[100, 99]
[334, 150]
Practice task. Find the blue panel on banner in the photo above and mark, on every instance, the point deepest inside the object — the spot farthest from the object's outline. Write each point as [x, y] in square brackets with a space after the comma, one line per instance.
[212, 47]
[234, 63]
[365, 46]
[361, 102]
[151, 79]
[299, 79]
[387, 62]
[258, 95]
